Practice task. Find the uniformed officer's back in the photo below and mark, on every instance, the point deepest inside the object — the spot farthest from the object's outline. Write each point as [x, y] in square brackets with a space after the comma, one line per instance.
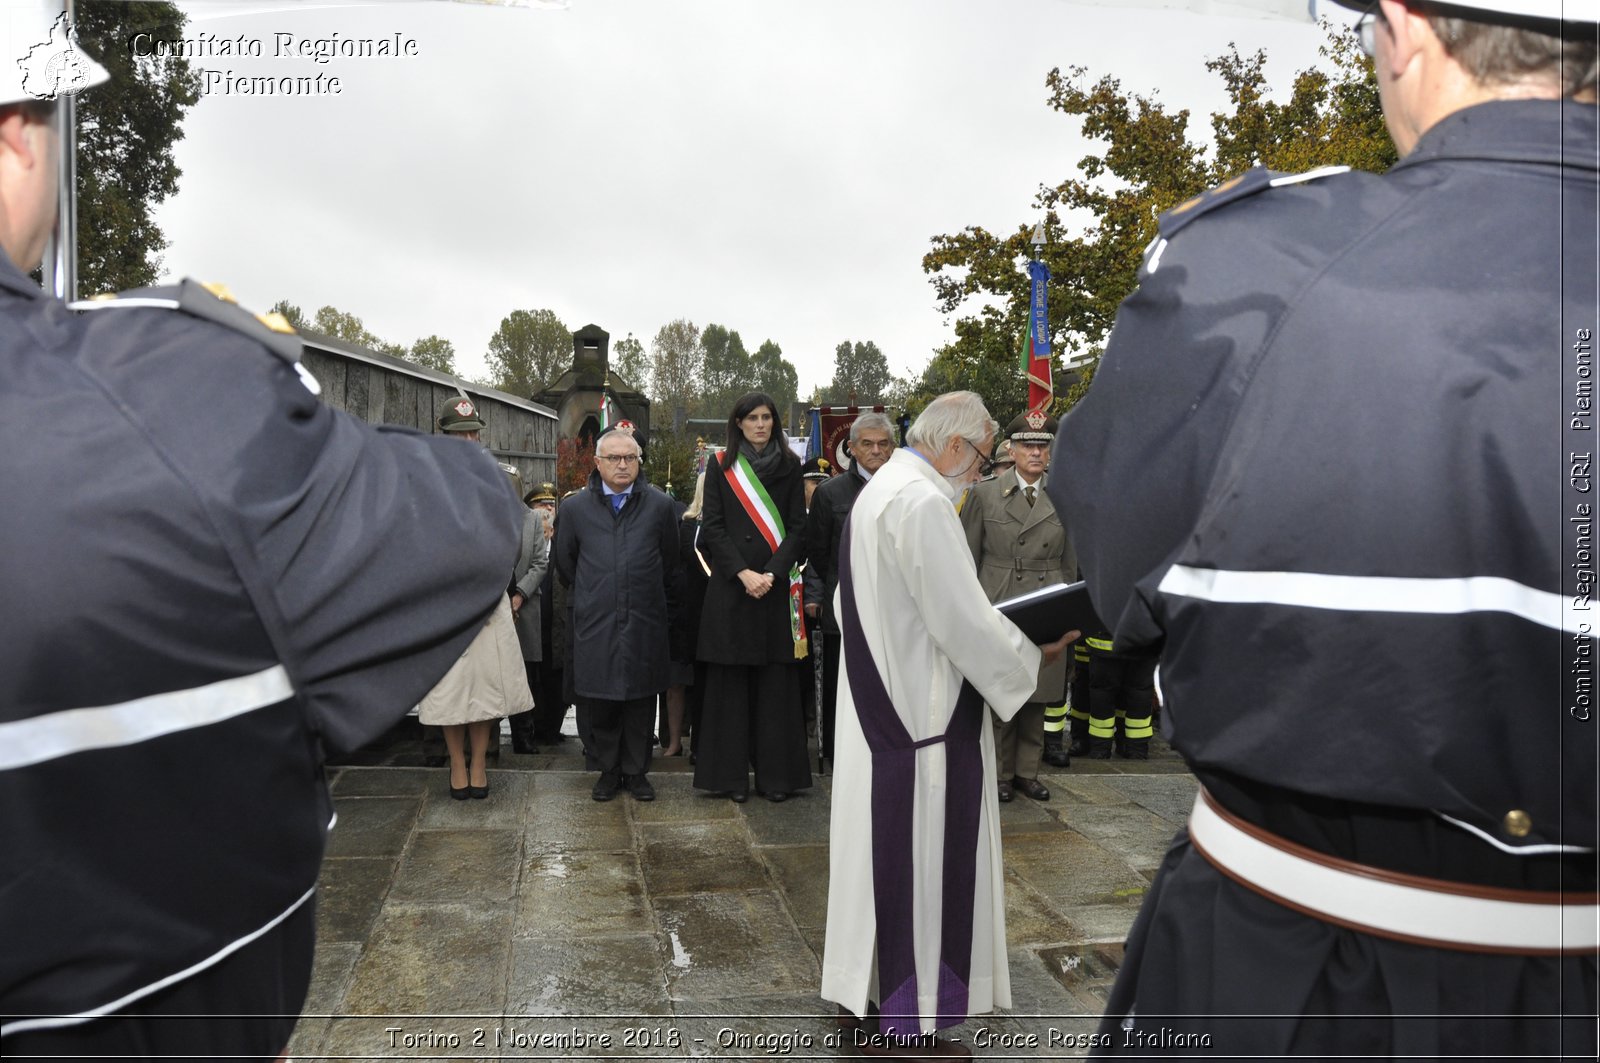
[210, 577]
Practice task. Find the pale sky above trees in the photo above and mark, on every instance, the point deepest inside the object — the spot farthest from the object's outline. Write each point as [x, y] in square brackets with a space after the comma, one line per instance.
[777, 167]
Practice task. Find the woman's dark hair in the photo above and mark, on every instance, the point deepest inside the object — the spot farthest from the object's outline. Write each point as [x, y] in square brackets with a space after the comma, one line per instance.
[744, 408]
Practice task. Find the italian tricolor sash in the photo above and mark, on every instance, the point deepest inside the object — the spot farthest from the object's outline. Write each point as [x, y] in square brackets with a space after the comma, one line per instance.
[748, 489]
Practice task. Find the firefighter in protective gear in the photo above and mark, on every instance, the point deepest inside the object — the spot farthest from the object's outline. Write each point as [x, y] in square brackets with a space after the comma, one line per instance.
[1121, 693]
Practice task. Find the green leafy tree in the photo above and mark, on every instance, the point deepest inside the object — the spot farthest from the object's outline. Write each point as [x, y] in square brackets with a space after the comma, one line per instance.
[771, 372]
[126, 131]
[343, 326]
[675, 360]
[724, 370]
[529, 350]
[630, 362]
[435, 352]
[861, 370]
[1146, 165]
[290, 312]
[669, 460]
[980, 360]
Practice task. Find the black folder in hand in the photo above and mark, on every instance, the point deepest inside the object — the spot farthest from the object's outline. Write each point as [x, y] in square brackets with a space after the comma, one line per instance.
[1048, 613]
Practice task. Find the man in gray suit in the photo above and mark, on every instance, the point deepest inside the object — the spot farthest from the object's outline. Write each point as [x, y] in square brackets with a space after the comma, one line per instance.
[1020, 544]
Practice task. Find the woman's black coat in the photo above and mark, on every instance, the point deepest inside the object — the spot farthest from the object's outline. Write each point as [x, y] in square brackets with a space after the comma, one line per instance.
[734, 627]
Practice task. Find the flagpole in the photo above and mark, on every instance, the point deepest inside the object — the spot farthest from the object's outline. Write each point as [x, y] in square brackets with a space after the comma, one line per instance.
[59, 270]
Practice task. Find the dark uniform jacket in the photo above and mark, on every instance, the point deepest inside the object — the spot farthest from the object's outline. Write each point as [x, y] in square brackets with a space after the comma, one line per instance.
[209, 578]
[622, 568]
[734, 627]
[1323, 468]
[830, 508]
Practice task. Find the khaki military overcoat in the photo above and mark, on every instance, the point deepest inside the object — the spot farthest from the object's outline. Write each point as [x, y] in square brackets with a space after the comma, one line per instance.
[1019, 548]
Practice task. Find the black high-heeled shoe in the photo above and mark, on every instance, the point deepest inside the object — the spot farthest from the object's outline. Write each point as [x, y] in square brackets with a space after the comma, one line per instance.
[460, 793]
[479, 792]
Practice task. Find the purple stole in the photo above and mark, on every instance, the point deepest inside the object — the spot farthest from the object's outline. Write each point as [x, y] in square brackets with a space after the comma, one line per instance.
[894, 773]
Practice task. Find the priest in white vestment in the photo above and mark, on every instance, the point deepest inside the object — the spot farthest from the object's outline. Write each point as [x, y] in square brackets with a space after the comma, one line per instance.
[914, 772]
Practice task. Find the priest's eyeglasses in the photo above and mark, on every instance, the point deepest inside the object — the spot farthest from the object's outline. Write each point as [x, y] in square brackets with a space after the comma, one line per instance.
[986, 463]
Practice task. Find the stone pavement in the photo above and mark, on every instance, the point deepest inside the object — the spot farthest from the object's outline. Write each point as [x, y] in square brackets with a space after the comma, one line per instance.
[539, 924]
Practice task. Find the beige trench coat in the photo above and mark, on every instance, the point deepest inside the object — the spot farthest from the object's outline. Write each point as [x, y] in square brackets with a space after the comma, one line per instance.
[487, 682]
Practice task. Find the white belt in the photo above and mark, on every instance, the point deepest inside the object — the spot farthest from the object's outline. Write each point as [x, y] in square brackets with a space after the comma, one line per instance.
[1409, 908]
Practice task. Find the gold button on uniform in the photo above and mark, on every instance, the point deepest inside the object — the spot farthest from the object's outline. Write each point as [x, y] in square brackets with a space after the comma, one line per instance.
[1518, 823]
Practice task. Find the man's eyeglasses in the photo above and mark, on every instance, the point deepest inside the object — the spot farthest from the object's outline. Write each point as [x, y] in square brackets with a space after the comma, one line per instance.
[617, 459]
[872, 444]
[986, 464]
[1367, 31]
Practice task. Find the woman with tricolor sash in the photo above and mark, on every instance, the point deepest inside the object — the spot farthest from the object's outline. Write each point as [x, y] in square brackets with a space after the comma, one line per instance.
[752, 630]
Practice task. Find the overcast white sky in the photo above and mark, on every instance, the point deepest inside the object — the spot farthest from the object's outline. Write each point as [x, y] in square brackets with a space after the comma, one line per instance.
[775, 166]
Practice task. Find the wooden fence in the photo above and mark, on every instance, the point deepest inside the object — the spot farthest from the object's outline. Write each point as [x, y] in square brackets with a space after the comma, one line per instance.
[381, 389]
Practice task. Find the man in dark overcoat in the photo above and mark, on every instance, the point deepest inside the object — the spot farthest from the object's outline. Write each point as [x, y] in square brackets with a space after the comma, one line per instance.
[617, 546]
[871, 444]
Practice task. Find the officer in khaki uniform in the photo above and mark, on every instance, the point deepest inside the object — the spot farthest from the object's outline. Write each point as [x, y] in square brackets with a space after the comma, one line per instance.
[1020, 544]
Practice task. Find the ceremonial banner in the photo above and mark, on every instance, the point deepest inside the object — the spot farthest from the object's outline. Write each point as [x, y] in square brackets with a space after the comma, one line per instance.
[1036, 341]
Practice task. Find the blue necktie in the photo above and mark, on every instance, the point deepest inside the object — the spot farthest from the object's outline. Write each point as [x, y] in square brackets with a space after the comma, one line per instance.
[616, 502]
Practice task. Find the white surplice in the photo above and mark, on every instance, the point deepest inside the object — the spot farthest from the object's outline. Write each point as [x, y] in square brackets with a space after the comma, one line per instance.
[928, 624]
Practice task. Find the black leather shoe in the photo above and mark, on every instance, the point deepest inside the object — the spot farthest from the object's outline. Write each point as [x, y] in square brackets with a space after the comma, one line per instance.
[640, 788]
[605, 788]
[1057, 757]
[777, 796]
[739, 797]
[460, 793]
[1005, 793]
[479, 792]
[1031, 788]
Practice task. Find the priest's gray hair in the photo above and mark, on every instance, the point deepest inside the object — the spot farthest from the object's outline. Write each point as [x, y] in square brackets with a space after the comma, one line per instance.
[955, 414]
[872, 420]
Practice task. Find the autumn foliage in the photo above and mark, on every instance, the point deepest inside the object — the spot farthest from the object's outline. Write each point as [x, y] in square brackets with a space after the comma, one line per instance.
[574, 463]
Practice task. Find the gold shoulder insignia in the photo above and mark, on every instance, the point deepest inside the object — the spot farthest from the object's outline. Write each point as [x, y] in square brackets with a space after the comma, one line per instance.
[276, 322]
[220, 290]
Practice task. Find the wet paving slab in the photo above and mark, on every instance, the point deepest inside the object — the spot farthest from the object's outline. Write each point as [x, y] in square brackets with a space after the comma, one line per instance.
[801, 874]
[433, 959]
[505, 807]
[574, 822]
[540, 924]
[372, 826]
[682, 858]
[1158, 794]
[350, 895]
[728, 945]
[620, 975]
[1067, 867]
[1140, 836]
[460, 866]
[582, 894]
